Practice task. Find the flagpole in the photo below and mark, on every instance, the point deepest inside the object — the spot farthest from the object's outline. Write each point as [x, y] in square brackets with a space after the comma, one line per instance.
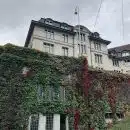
[79, 29]
[77, 12]
[79, 22]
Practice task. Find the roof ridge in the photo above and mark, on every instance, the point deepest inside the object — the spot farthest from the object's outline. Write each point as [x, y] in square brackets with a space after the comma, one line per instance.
[119, 46]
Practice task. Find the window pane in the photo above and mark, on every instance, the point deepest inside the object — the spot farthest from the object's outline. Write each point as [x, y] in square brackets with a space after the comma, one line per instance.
[55, 93]
[81, 37]
[34, 122]
[49, 121]
[84, 37]
[82, 49]
[49, 34]
[98, 58]
[52, 35]
[79, 48]
[67, 37]
[95, 58]
[78, 35]
[65, 51]
[115, 62]
[51, 49]
[50, 93]
[40, 91]
[101, 59]
[48, 48]
[97, 46]
[62, 93]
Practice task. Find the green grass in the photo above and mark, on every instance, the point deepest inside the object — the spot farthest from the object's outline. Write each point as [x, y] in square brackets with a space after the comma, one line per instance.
[123, 125]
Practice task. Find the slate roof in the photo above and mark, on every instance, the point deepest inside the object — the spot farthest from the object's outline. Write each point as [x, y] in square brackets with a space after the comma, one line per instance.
[96, 37]
[41, 23]
[120, 48]
[64, 27]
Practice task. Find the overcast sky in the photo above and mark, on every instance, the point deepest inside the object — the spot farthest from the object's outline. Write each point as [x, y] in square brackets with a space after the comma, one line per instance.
[16, 15]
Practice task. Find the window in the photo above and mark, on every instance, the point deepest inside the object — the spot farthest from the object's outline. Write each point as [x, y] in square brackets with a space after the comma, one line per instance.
[97, 46]
[62, 93]
[48, 22]
[82, 48]
[41, 93]
[48, 48]
[49, 122]
[34, 122]
[98, 58]
[65, 36]
[53, 93]
[115, 62]
[64, 26]
[65, 51]
[125, 54]
[52, 35]
[49, 34]
[56, 24]
[82, 37]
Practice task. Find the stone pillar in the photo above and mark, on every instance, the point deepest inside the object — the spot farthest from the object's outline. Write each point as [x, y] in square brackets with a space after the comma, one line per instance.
[42, 122]
[56, 122]
[29, 122]
[67, 123]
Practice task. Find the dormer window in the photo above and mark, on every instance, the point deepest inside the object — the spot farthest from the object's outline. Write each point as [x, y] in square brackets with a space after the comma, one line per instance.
[48, 22]
[56, 24]
[96, 34]
[125, 54]
[65, 26]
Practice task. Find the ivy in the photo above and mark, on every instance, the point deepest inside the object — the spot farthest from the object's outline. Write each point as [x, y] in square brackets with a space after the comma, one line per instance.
[26, 94]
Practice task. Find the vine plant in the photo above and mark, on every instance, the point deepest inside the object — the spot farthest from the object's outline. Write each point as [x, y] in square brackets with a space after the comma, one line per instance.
[88, 94]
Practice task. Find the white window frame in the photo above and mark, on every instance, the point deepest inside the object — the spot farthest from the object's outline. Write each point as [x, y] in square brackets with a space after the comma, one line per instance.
[48, 22]
[82, 37]
[65, 37]
[49, 34]
[125, 54]
[115, 62]
[97, 46]
[49, 48]
[65, 51]
[98, 59]
[34, 124]
[82, 48]
[49, 121]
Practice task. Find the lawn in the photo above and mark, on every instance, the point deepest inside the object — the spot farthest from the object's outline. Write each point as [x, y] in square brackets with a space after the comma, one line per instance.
[123, 125]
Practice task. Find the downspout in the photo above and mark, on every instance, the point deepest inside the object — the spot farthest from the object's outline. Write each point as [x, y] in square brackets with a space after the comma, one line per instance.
[91, 54]
[73, 47]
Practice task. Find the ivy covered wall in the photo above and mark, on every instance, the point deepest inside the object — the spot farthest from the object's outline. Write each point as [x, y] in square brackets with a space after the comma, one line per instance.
[88, 91]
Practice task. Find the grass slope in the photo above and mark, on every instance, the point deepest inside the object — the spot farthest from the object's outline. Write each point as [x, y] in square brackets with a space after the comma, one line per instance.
[123, 125]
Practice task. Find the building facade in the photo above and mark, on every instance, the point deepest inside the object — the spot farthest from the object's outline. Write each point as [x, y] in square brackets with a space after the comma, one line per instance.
[59, 38]
[120, 57]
